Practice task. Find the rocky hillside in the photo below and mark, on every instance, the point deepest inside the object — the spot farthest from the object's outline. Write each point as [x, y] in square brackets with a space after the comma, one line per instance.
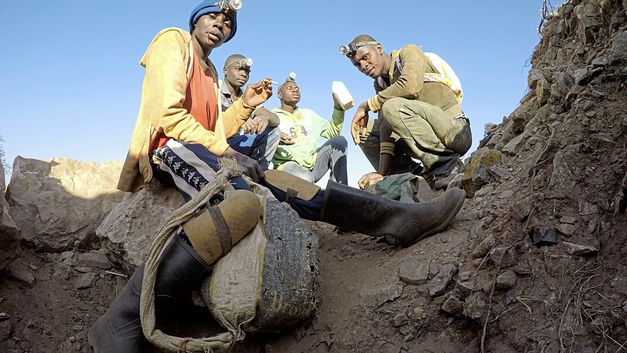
[534, 262]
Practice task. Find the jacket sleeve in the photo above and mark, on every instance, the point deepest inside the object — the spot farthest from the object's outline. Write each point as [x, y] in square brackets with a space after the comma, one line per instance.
[164, 89]
[414, 63]
[234, 117]
[334, 127]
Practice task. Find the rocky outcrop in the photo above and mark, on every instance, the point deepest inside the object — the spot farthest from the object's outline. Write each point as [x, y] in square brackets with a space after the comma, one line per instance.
[58, 204]
[131, 226]
[9, 232]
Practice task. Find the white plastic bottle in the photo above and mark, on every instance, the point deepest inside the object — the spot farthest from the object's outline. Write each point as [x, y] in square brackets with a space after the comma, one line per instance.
[342, 95]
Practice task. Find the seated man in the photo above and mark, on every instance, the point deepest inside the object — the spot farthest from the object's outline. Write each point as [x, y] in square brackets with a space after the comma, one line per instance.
[299, 152]
[258, 137]
[420, 113]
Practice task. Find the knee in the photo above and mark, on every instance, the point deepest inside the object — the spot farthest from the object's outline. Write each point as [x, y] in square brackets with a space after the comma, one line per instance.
[391, 107]
[339, 143]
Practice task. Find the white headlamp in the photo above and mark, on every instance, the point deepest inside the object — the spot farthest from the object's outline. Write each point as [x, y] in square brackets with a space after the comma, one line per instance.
[232, 5]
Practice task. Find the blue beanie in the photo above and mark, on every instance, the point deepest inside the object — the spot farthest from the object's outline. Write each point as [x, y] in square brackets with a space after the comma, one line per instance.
[212, 6]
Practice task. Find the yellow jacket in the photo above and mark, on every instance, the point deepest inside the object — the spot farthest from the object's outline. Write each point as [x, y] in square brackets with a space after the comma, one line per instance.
[168, 62]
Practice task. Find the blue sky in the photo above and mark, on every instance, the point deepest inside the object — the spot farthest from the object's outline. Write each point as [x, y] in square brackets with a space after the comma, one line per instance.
[71, 81]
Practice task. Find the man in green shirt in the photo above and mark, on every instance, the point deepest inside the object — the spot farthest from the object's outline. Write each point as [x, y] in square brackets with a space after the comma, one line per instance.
[299, 152]
[420, 113]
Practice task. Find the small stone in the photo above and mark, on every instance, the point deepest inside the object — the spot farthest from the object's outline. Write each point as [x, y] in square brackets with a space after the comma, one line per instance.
[586, 208]
[5, 330]
[566, 229]
[453, 305]
[484, 247]
[474, 306]
[579, 250]
[503, 256]
[625, 306]
[506, 280]
[439, 283]
[543, 236]
[511, 296]
[596, 62]
[94, 259]
[414, 271]
[400, 320]
[85, 280]
[19, 271]
[568, 219]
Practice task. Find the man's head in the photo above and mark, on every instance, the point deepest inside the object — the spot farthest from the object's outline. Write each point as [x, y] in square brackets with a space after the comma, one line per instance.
[289, 93]
[213, 23]
[366, 54]
[237, 70]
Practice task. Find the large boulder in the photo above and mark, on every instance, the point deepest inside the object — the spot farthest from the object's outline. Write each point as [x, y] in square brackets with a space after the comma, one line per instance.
[9, 232]
[58, 204]
[132, 225]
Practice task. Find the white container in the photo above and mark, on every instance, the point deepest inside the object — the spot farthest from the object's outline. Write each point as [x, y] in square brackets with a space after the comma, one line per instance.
[341, 95]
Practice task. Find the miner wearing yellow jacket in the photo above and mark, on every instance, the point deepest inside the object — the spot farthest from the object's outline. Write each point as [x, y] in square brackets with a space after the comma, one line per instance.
[420, 113]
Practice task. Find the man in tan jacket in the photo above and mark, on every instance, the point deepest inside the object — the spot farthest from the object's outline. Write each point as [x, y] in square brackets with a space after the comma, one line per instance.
[420, 113]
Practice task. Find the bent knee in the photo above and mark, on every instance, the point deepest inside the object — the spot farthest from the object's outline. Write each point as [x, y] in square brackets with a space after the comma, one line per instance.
[339, 143]
[392, 106]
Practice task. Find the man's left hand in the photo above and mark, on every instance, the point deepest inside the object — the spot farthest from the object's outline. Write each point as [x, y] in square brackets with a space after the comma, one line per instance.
[369, 179]
[257, 93]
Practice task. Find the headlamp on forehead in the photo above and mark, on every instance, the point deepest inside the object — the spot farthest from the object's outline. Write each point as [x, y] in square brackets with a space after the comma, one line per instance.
[229, 5]
[243, 63]
[351, 49]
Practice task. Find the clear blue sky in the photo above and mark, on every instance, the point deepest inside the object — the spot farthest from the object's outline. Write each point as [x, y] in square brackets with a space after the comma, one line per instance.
[71, 82]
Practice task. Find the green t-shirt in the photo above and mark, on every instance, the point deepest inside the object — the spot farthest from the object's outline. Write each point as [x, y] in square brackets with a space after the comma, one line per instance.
[306, 127]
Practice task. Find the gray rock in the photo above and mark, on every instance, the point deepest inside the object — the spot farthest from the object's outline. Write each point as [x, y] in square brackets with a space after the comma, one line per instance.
[503, 257]
[565, 228]
[476, 174]
[586, 208]
[568, 219]
[439, 283]
[414, 271]
[400, 320]
[515, 145]
[562, 182]
[618, 53]
[452, 305]
[9, 231]
[132, 225]
[19, 271]
[86, 280]
[500, 173]
[6, 328]
[581, 76]
[506, 280]
[484, 247]
[381, 294]
[521, 209]
[94, 259]
[598, 62]
[542, 236]
[579, 250]
[59, 203]
[474, 306]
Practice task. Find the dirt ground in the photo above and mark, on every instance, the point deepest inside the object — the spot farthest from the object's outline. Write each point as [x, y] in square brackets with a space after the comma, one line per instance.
[360, 298]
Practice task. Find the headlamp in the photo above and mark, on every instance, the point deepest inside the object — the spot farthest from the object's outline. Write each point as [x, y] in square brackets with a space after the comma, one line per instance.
[242, 63]
[229, 5]
[292, 76]
[350, 49]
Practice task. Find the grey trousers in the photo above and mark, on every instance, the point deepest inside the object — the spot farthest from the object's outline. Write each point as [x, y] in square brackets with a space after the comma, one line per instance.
[426, 133]
[330, 156]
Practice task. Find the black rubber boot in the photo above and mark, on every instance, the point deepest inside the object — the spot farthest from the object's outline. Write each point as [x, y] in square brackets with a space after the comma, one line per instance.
[370, 214]
[180, 272]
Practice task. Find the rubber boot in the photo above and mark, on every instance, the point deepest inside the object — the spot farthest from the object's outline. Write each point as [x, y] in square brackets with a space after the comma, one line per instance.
[181, 270]
[370, 214]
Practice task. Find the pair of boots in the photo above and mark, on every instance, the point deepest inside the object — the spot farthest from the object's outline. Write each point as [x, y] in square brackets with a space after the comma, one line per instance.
[184, 263]
[183, 267]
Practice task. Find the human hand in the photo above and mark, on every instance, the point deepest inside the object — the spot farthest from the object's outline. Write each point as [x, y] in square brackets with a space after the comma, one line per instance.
[360, 122]
[369, 179]
[257, 93]
[287, 139]
[261, 123]
[250, 166]
[248, 126]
